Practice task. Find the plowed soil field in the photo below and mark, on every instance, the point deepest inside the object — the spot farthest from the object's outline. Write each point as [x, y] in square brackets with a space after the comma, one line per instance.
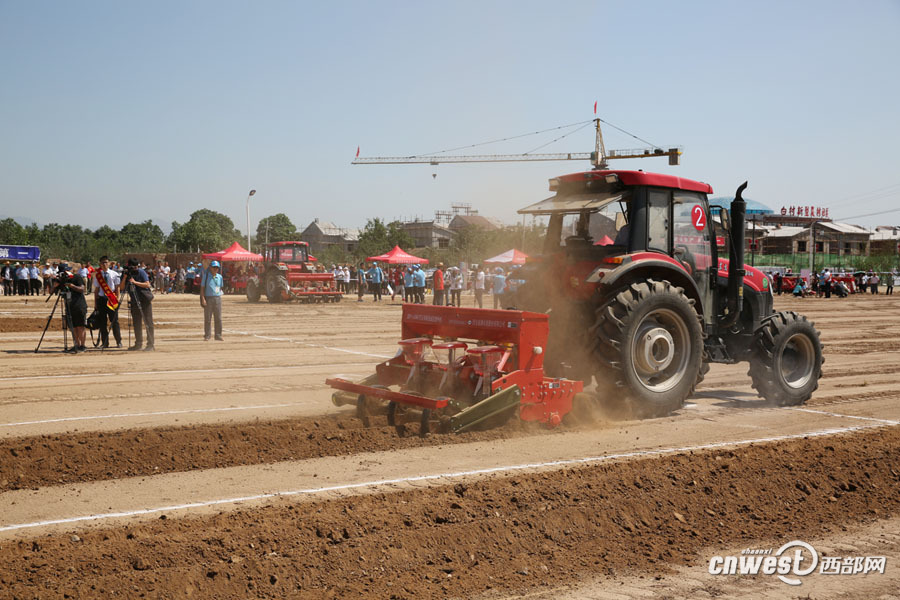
[223, 470]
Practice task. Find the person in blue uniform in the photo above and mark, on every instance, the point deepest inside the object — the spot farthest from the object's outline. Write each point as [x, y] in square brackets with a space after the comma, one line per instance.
[420, 283]
[498, 287]
[376, 279]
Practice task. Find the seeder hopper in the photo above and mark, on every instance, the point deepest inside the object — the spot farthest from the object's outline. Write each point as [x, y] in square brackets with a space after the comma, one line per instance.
[460, 369]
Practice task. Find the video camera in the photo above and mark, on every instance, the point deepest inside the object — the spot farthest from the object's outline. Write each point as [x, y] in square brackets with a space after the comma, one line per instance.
[60, 280]
[131, 269]
[64, 277]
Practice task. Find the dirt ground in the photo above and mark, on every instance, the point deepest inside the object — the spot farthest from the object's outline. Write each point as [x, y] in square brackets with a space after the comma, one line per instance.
[222, 469]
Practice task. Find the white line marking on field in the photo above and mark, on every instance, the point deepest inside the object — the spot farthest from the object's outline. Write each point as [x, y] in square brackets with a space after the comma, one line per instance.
[843, 416]
[150, 414]
[308, 344]
[176, 371]
[456, 475]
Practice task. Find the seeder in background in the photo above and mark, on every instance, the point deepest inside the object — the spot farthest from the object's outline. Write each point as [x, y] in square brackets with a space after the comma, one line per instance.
[459, 369]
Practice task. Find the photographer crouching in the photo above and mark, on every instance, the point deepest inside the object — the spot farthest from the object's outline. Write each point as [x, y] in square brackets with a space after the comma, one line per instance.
[140, 297]
[72, 286]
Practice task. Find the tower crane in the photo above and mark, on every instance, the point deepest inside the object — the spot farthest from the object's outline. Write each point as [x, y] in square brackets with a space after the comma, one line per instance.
[599, 157]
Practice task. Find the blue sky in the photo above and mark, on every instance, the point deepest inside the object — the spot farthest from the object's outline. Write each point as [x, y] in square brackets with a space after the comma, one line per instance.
[113, 112]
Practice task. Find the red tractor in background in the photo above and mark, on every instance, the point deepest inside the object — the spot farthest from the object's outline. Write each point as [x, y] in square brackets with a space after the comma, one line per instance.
[645, 285]
[287, 273]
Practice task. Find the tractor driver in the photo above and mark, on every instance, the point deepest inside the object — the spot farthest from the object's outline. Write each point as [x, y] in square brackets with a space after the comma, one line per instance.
[623, 236]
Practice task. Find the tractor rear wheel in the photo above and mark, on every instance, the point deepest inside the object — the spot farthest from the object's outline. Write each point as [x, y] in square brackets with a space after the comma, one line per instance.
[275, 286]
[253, 292]
[787, 361]
[648, 338]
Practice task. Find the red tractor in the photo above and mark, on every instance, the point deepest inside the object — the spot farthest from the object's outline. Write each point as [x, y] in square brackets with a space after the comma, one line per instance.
[645, 285]
[287, 273]
[640, 286]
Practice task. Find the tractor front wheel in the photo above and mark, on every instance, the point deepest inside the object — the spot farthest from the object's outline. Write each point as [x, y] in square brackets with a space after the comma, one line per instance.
[253, 292]
[275, 287]
[648, 338]
[787, 361]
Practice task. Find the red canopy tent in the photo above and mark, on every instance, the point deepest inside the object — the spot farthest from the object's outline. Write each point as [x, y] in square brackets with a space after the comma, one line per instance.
[398, 257]
[510, 257]
[235, 252]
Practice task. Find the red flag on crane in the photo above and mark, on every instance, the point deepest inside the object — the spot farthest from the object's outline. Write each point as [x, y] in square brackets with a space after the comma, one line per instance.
[595, 107]
[357, 152]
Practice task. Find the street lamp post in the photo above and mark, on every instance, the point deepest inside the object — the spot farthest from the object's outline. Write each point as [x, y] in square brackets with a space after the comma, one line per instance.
[812, 248]
[753, 244]
[248, 218]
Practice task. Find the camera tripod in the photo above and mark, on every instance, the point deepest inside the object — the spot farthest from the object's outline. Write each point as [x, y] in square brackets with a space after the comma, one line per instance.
[66, 319]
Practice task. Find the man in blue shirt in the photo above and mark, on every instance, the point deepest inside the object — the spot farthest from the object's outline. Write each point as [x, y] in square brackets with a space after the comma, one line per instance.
[376, 278]
[23, 280]
[189, 278]
[407, 284]
[36, 281]
[419, 283]
[211, 284]
[498, 287]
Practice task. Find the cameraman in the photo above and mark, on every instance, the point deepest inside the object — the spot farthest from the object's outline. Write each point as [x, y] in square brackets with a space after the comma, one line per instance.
[140, 297]
[74, 285]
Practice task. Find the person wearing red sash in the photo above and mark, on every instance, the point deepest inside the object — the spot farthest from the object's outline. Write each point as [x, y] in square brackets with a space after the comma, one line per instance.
[106, 302]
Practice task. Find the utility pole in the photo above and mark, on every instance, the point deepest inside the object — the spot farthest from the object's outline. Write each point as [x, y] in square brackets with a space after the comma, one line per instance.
[523, 233]
[248, 219]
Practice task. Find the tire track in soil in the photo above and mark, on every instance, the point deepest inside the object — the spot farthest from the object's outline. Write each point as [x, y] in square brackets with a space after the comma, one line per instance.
[487, 537]
[863, 347]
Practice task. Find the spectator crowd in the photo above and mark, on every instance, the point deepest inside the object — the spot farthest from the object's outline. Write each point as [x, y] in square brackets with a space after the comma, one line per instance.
[825, 283]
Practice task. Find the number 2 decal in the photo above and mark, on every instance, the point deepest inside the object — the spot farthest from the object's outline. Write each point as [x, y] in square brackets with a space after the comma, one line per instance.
[698, 217]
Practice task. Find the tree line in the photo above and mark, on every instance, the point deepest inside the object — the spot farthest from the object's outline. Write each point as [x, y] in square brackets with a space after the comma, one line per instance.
[209, 231]
[205, 231]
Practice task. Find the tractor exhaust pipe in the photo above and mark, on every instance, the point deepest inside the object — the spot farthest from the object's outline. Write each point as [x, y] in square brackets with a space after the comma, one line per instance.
[736, 260]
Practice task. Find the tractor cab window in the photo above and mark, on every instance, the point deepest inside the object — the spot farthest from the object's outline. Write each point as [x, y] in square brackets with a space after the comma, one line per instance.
[691, 237]
[290, 254]
[605, 226]
[609, 225]
[570, 229]
[658, 220]
[585, 214]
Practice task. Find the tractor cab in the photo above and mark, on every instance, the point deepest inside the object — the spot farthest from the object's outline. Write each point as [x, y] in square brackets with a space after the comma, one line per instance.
[604, 225]
[289, 253]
